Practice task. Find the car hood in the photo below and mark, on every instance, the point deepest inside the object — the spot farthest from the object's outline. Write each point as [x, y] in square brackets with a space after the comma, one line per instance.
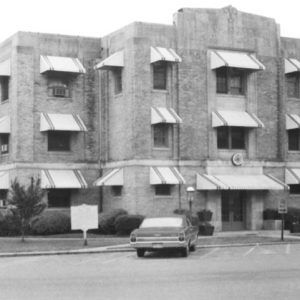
[155, 231]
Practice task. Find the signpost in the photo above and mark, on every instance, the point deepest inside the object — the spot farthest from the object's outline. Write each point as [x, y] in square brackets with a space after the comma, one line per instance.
[282, 209]
[84, 217]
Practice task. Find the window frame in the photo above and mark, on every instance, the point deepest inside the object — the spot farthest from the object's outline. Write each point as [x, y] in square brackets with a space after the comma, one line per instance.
[60, 80]
[63, 136]
[296, 134]
[161, 132]
[60, 193]
[163, 190]
[160, 75]
[294, 189]
[5, 137]
[118, 80]
[292, 78]
[4, 84]
[229, 131]
[116, 190]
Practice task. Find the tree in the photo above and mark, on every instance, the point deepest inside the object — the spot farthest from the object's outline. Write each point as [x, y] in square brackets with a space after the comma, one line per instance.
[26, 202]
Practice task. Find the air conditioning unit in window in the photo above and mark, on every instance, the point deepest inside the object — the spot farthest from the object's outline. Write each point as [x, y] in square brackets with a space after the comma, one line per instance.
[59, 91]
[4, 148]
[2, 203]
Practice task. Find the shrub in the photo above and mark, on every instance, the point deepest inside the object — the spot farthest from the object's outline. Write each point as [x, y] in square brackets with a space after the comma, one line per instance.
[125, 224]
[206, 229]
[51, 222]
[10, 225]
[271, 214]
[292, 217]
[107, 220]
[204, 215]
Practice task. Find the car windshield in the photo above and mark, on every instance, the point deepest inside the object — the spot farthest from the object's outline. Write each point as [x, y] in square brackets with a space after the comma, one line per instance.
[161, 222]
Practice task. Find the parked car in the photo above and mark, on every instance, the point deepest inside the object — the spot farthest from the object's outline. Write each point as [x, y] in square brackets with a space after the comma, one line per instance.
[159, 233]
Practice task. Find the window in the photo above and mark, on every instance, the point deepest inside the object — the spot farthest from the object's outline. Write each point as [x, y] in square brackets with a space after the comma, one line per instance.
[293, 139]
[294, 188]
[59, 85]
[231, 138]
[292, 84]
[4, 81]
[231, 81]
[163, 190]
[160, 75]
[4, 142]
[59, 198]
[117, 73]
[3, 198]
[161, 135]
[116, 190]
[59, 141]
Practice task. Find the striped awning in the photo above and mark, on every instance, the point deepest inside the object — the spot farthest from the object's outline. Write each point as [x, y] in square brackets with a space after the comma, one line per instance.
[235, 118]
[62, 179]
[5, 68]
[64, 122]
[291, 65]
[292, 121]
[165, 175]
[164, 54]
[60, 64]
[235, 59]
[4, 180]
[5, 124]
[239, 182]
[292, 175]
[115, 60]
[164, 115]
[112, 177]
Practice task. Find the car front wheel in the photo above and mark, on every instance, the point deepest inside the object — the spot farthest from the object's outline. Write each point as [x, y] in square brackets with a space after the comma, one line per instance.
[140, 252]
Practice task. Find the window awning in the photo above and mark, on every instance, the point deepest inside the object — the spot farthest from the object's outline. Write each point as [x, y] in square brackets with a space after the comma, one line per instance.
[239, 182]
[116, 60]
[291, 65]
[4, 180]
[235, 118]
[60, 64]
[164, 54]
[5, 124]
[112, 177]
[292, 176]
[62, 179]
[5, 68]
[233, 59]
[65, 122]
[165, 175]
[292, 121]
[164, 115]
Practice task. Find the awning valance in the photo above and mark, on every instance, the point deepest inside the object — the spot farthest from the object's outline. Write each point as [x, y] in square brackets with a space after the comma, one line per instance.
[4, 180]
[164, 115]
[64, 122]
[165, 175]
[233, 59]
[62, 179]
[60, 64]
[292, 121]
[292, 176]
[115, 60]
[235, 118]
[5, 124]
[239, 182]
[291, 65]
[112, 177]
[164, 54]
[5, 68]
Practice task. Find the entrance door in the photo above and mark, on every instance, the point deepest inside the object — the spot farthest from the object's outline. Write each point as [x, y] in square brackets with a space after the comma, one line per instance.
[233, 210]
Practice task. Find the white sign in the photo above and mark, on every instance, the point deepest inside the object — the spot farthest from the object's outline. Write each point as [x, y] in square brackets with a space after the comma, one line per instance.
[84, 217]
[282, 206]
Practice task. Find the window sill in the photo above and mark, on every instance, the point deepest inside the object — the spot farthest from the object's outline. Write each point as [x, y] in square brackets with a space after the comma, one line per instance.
[243, 151]
[59, 98]
[60, 152]
[293, 151]
[160, 91]
[163, 196]
[4, 101]
[118, 95]
[161, 149]
[293, 98]
[231, 96]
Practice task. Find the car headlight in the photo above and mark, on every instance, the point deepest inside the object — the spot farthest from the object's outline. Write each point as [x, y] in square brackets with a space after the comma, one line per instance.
[181, 236]
[133, 238]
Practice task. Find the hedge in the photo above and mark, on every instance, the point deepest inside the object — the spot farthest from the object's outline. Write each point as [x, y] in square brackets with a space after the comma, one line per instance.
[9, 225]
[125, 224]
[51, 222]
[107, 220]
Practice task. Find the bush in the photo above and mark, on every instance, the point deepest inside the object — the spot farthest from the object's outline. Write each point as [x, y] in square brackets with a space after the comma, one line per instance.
[10, 225]
[271, 214]
[206, 229]
[204, 215]
[192, 217]
[51, 222]
[107, 220]
[125, 224]
[292, 217]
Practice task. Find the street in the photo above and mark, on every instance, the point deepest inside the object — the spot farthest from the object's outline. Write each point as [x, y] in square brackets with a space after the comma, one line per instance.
[259, 272]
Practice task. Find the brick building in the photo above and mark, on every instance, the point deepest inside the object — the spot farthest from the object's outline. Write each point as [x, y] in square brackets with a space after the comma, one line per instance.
[132, 119]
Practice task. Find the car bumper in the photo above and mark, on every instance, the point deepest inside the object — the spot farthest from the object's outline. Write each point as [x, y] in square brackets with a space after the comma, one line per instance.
[159, 245]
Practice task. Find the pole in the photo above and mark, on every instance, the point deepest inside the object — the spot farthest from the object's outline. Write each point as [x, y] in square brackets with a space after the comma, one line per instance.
[84, 238]
[282, 227]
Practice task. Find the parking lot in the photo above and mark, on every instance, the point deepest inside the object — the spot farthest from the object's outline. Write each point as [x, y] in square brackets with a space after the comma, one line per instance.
[262, 272]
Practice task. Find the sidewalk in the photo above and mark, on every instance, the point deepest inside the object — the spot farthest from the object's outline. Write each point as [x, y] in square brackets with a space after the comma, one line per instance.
[120, 244]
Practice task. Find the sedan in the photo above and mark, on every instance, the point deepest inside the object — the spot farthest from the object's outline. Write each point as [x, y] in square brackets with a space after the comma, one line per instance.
[160, 233]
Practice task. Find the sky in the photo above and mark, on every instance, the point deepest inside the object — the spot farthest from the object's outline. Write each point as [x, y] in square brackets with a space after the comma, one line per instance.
[97, 18]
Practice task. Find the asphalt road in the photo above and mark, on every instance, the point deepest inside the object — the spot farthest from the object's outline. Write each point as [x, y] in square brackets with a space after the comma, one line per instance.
[260, 272]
